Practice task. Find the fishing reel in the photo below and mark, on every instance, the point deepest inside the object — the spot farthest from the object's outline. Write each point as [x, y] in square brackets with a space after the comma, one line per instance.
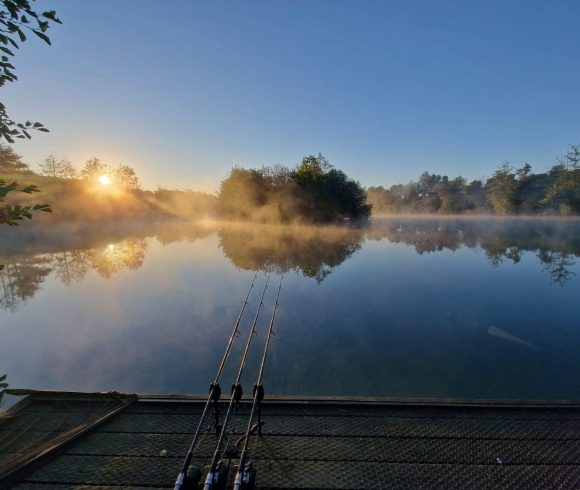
[192, 478]
[246, 478]
[218, 479]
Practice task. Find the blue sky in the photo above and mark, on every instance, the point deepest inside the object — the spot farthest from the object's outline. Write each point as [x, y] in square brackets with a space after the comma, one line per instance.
[183, 90]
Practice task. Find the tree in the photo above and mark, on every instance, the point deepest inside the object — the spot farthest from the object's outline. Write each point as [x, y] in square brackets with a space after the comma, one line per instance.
[563, 194]
[328, 194]
[67, 171]
[55, 167]
[501, 189]
[452, 194]
[16, 20]
[93, 169]
[126, 177]
[428, 191]
[475, 192]
[241, 193]
[10, 161]
[314, 191]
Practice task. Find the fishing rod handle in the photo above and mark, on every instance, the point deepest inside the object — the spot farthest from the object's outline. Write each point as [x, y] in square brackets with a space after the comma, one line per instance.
[179, 481]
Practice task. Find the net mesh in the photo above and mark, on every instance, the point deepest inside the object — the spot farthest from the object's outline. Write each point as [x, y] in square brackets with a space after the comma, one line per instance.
[33, 423]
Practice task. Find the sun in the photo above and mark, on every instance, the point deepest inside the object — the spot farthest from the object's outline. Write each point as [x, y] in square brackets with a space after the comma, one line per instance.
[105, 180]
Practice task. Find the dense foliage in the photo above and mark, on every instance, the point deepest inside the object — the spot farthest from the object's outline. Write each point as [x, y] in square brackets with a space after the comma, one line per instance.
[12, 212]
[314, 191]
[17, 19]
[508, 191]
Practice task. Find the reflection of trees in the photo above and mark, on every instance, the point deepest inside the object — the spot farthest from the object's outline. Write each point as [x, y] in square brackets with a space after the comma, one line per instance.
[69, 266]
[555, 243]
[558, 265]
[311, 250]
[109, 260]
[22, 277]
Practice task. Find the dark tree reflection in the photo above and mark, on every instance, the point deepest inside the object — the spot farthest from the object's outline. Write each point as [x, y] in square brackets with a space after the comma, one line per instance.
[21, 279]
[309, 250]
[556, 243]
[312, 251]
[558, 265]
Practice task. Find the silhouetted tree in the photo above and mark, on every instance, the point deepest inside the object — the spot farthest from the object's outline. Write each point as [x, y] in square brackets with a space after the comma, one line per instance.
[57, 167]
[126, 177]
[328, 194]
[93, 169]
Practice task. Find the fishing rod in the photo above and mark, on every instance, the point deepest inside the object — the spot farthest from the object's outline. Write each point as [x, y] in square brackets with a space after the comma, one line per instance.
[246, 475]
[217, 475]
[184, 480]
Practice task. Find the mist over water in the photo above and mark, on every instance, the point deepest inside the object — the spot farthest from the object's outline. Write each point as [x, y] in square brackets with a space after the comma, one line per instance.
[426, 307]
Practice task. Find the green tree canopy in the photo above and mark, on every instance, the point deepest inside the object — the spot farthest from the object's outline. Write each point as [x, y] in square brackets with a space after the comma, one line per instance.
[314, 191]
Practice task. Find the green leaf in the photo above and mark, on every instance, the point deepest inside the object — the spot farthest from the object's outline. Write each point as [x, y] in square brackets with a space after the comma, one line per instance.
[42, 36]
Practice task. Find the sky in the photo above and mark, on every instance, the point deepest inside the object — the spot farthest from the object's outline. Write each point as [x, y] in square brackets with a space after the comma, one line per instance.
[182, 90]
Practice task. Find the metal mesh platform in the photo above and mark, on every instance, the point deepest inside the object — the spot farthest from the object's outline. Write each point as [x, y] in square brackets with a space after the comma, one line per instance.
[335, 445]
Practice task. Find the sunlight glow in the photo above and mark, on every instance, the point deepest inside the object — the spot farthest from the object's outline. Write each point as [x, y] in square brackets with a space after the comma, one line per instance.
[105, 180]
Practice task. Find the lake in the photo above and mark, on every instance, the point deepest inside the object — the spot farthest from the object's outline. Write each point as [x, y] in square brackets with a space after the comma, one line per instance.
[424, 307]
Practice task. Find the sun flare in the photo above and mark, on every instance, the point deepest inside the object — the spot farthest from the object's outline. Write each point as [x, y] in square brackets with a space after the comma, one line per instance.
[105, 180]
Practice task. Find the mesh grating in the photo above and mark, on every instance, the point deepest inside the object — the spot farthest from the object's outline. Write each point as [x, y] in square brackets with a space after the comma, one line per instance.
[310, 446]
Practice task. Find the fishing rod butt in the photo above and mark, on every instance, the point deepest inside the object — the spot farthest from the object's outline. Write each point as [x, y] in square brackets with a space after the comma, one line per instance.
[246, 478]
[189, 481]
[217, 479]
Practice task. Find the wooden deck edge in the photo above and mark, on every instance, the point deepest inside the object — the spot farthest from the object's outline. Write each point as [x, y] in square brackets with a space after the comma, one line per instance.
[318, 400]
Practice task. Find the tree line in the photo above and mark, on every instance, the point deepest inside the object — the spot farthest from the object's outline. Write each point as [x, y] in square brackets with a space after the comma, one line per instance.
[62, 168]
[79, 194]
[508, 191]
[313, 191]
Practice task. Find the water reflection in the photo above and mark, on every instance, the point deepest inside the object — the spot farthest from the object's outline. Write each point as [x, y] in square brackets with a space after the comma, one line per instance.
[21, 278]
[313, 252]
[310, 251]
[555, 243]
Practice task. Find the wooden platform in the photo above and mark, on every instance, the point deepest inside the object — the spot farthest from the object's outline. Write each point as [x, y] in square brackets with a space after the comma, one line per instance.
[306, 443]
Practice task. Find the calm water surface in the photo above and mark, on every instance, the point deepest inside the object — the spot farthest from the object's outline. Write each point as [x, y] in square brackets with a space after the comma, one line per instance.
[422, 307]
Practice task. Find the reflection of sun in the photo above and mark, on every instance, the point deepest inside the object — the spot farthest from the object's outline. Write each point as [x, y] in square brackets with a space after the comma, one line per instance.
[105, 179]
